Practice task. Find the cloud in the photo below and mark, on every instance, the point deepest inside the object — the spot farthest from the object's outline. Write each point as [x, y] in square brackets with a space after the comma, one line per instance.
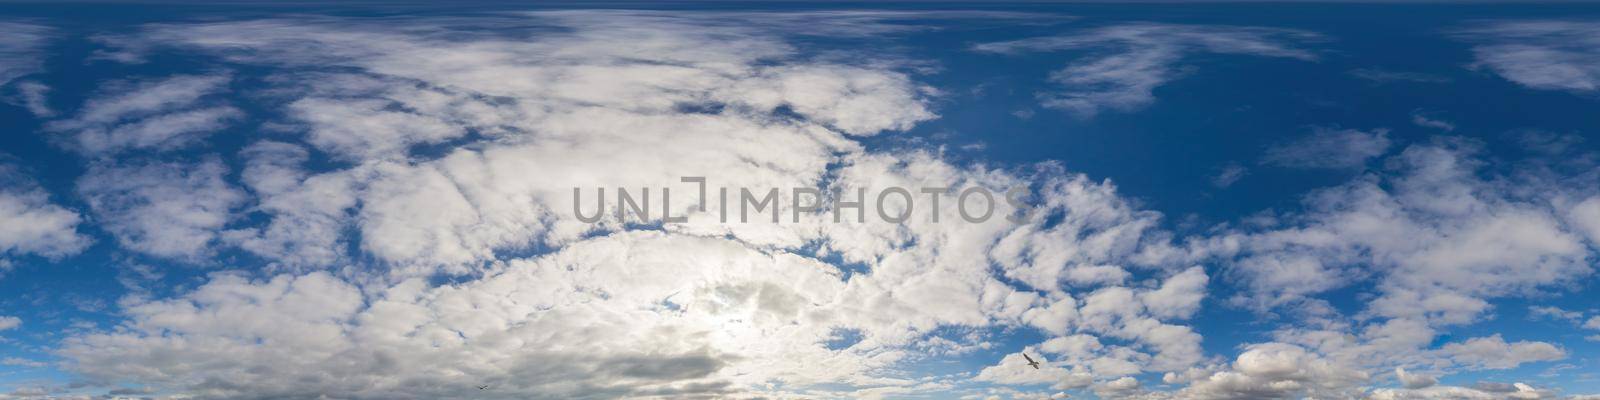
[21, 50]
[455, 154]
[34, 225]
[1516, 391]
[588, 321]
[35, 96]
[1123, 387]
[415, 206]
[1546, 55]
[9, 322]
[1277, 370]
[1422, 120]
[1329, 148]
[1230, 173]
[21, 362]
[1014, 370]
[618, 114]
[155, 115]
[1378, 75]
[1414, 381]
[1494, 353]
[1402, 232]
[172, 210]
[1128, 62]
[1424, 229]
[1555, 313]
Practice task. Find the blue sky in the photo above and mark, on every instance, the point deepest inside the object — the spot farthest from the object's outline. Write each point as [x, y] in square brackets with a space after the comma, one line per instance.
[1385, 201]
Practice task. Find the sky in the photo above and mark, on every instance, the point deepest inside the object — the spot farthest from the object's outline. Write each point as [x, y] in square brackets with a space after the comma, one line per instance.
[1189, 201]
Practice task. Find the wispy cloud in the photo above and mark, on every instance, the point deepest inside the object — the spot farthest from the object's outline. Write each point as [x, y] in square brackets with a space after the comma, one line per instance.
[156, 115]
[1379, 75]
[1229, 174]
[1422, 119]
[1329, 148]
[21, 50]
[1550, 55]
[1128, 62]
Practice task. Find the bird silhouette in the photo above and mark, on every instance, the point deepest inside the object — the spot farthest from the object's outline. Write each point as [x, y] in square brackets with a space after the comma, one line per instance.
[1031, 362]
[483, 387]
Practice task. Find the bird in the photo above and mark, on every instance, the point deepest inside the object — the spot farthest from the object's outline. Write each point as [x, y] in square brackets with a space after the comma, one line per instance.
[483, 387]
[1031, 362]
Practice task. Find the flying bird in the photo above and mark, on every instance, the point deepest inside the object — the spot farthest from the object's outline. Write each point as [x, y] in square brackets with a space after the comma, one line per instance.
[484, 387]
[1031, 362]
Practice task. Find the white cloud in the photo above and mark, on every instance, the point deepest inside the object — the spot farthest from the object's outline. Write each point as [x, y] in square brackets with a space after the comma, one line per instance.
[158, 115]
[309, 213]
[1555, 313]
[1230, 173]
[616, 116]
[1330, 148]
[171, 210]
[456, 153]
[1416, 235]
[1516, 391]
[34, 225]
[21, 362]
[9, 322]
[1494, 353]
[589, 318]
[631, 102]
[1132, 60]
[1423, 120]
[1413, 380]
[1585, 216]
[1277, 370]
[1548, 55]
[1430, 229]
[35, 97]
[1014, 370]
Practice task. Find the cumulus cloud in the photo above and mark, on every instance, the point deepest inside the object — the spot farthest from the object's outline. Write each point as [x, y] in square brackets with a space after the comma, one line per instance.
[1128, 62]
[1493, 352]
[34, 224]
[1547, 55]
[165, 209]
[1513, 391]
[9, 322]
[1014, 370]
[1277, 370]
[418, 212]
[1403, 230]
[1329, 148]
[1425, 228]
[457, 153]
[1414, 381]
[632, 105]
